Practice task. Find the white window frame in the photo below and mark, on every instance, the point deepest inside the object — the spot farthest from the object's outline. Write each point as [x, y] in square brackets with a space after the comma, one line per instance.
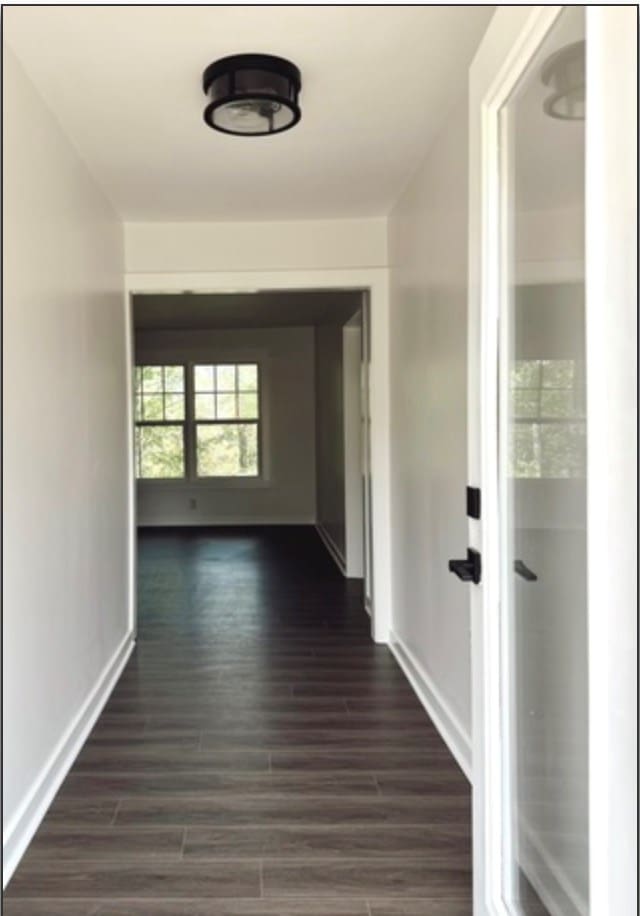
[144, 423]
[191, 464]
[191, 480]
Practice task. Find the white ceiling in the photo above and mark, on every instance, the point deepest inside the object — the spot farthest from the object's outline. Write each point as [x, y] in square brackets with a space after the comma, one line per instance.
[274, 309]
[125, 84]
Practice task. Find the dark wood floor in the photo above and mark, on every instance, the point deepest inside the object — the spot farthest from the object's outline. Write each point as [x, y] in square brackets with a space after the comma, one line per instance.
[260, 756]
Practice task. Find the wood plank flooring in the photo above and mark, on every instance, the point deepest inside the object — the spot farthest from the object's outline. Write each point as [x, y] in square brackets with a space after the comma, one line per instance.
[260, 755]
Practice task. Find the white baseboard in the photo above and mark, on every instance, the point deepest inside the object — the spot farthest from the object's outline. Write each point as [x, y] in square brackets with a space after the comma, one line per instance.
[547, 876]
[27, 819]
[335, 552]
[445, 720]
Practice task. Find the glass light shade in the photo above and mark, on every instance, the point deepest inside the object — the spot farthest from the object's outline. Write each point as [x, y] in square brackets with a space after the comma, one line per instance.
[252, 95]
[564, 73]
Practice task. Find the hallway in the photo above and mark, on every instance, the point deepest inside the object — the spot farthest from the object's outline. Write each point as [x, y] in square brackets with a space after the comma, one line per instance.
[259, 749]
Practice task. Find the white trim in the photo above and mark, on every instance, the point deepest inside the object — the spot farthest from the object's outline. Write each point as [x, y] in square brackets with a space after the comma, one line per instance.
[375, 281]
[229, 521]
[539, 866]
[336, 554]
[29, 815]
[511, 41]
[131, 546]
[438, 708]
[612, 459]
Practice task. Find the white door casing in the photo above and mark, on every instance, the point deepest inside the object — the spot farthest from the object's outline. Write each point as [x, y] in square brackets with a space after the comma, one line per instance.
[374, 282]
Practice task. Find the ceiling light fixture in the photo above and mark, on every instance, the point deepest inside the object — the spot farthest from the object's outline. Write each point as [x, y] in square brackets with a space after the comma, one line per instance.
[252, 95]
[564, 73]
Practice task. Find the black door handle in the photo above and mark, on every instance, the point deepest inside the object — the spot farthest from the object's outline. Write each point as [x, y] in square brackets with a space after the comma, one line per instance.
[524, 571]
[469, 570]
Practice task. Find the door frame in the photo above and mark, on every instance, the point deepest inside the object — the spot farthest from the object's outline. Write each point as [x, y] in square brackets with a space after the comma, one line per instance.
[374, 284]
[512, 39]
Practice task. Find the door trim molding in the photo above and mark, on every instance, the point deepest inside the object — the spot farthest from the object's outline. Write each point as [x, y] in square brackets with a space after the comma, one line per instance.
[513, 38]
[375, 283]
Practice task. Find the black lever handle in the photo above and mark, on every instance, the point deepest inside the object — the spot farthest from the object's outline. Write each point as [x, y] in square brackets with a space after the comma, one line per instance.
[524, 571]
[469, 570]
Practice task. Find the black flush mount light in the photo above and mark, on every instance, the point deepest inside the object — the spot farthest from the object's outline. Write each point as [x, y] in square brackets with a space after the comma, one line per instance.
[252, 95]
[564, 73]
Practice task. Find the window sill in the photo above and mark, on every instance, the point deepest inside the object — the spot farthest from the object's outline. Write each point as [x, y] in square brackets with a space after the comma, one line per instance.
[207, 483]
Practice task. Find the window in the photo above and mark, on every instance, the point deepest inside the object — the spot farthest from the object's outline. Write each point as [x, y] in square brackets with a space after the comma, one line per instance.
[548, 409]
[205, 424]
[226, 414]
[160, 421]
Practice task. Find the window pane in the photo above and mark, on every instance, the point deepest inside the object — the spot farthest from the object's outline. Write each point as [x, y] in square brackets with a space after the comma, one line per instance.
[563, 450]
[138, 378]
[205, 407]
[226, 378]
[152, 378]
[248, 378]
[525, 402]
[227, 450]
[174, 407]
[160, 451]
[226, 404]
[524, 459]
[138, 407]
[203, 378]
[525, 373]
[556, 403]
[152, 407]
[557, 373]
[173, 378]
[248, 406]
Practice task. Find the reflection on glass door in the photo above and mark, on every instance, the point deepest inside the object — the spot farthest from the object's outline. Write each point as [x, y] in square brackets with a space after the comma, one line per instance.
[543, 479]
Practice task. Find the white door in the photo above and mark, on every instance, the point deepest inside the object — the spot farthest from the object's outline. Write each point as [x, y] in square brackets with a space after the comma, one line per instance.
[537, 426]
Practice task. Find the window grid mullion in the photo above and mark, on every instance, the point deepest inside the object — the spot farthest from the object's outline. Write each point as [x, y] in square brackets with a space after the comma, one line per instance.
[189, 436]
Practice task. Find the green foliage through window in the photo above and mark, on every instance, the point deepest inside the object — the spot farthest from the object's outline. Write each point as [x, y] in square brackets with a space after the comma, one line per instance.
[226, 397]
[224, 408]
[159, 451]
[160, 415]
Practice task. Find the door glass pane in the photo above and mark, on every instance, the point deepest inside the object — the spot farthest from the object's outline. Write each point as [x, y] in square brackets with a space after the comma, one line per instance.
[543, 480]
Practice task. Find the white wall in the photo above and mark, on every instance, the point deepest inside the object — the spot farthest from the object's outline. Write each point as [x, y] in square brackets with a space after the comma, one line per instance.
[353, 443]
[330, 468]
[65, 454]
[428, 333]
[302, 245]
[287, 493]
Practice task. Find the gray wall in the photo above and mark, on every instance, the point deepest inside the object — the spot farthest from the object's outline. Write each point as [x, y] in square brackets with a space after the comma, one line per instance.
[330, 469]
[428, 255]
[65, 451]
[287, 495]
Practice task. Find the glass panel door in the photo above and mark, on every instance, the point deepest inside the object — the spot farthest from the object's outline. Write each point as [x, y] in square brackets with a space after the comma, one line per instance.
[542, 436]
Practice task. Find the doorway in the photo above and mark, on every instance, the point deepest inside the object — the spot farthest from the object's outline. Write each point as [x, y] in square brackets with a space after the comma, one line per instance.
[251, 409]
[372, 292]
